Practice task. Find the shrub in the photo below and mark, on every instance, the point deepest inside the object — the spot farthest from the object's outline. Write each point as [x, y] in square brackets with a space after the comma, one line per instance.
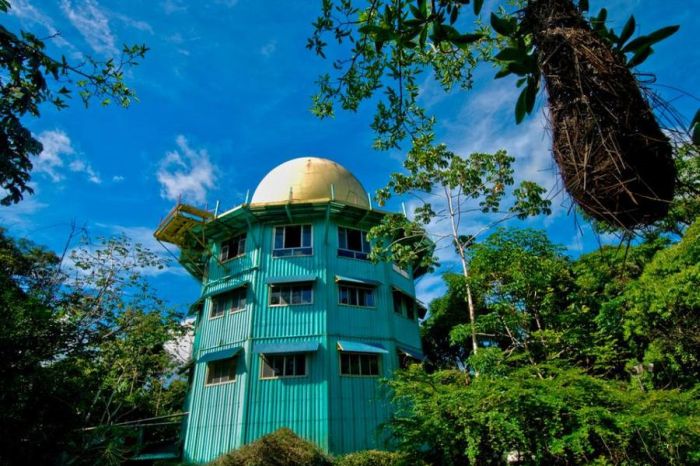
[280, 448]
[375, 458]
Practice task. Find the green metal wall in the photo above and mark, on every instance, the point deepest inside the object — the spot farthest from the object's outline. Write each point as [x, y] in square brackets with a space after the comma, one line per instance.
[339, 413]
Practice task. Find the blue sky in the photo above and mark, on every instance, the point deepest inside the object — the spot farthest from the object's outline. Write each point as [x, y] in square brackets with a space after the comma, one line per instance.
[224, 97]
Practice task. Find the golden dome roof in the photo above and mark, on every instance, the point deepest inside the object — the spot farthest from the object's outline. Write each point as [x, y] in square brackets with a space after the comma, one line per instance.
[309, 179]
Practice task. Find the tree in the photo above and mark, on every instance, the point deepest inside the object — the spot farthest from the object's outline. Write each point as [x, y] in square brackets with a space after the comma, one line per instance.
[460, 186]
[84, 351]
[522, 280]
[547, 416]
[585, 361]
[584, 65]
[29, 77]
[661, 321]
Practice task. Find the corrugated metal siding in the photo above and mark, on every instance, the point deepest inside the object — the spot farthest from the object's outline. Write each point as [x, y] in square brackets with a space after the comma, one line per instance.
[214, 422]
[339, 413]
[358, 405]
[298, 403]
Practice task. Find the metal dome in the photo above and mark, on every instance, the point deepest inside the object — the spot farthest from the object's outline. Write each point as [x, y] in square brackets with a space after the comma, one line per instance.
[310, 179]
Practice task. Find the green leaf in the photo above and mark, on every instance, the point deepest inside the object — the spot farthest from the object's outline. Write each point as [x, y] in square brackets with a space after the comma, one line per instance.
[645, 41]
[530, 94]
[512, 54]
[503, 26]
[502, 73]
[453, 15]
[477, 6]
[583, 5]
[521, 106]
[465, 39]
[695, 129]
[627, 31]
[639, 57]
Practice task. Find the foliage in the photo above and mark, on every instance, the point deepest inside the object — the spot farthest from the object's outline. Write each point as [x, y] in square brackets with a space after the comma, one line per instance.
[30, 78]
[662, 323]
[554, 416]
[592, 360]
[450, 187]
[280, 448]
[446, 313]
[375, 458]
[387, 47]
[393, 43]
[84, 350]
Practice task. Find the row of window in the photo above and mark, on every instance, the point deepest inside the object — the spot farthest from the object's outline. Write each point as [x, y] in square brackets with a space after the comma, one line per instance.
[303, 293]
[296, 240]
[294, 365]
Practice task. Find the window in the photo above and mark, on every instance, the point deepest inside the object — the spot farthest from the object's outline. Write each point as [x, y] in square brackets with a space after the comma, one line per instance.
[283, 365]
[355, 296]
[406, 360]
[233, 247]
[234, 300]
[404, 305]
[287, 295]
[399, 270]
[223, 370]
[292, 240]
[353, 243]
[359, 364]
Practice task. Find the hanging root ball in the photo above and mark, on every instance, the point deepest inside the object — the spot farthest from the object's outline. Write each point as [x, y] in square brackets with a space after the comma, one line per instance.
[614, 159]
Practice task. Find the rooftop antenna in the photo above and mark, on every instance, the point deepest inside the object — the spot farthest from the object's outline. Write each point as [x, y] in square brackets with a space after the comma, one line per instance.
[369, 199]
[216, 209]
[332, 192]
[247, 193]
[403, 207]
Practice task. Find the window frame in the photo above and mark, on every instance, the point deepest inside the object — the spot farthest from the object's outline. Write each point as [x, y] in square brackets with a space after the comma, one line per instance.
[405, 360]
[237, 239]
[228, 310]
[210, 364]
[263, 364]
[301, 248]
[404, 305]
[357, 288]
[377, 358]
[291, 286]
[348, 253]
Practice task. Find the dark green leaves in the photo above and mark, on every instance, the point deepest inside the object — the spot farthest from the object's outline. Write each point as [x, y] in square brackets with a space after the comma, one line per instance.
[640, 48]
[651, 39]
[477, 6]
[526, 100]
[695, 129]
[627, 31]
[503, 26]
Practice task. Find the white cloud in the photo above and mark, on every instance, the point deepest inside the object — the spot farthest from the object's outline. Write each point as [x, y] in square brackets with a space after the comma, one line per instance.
[269, 48]
[118, 178]
[57, 149]
[133, 23]
[227, 3]
[173, 6]
[81, 166]
[25, 11]
[92, 23]
[186, 173]
[57, 145]
[17, 216]
[430, 287]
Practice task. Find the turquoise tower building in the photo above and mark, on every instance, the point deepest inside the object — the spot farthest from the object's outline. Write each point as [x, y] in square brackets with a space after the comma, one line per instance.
[294, 326]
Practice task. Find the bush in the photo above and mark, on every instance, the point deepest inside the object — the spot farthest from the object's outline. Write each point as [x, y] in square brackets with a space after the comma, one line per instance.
[280, 448]
[375, 458]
